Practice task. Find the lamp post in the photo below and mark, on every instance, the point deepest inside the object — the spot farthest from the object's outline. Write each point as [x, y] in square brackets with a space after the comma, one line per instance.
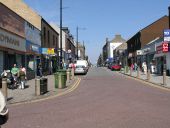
[77, 32]
[169, 15]
[60, 59]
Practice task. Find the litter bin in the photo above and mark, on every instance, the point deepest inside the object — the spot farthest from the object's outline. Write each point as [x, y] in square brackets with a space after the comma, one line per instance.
[43, 85]
[60, 78]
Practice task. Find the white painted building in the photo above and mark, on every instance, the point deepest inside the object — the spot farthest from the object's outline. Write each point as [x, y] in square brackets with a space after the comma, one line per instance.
[113, 44]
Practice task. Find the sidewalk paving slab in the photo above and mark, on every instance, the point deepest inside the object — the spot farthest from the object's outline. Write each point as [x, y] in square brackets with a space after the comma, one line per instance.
[28, 94]
[154, 78]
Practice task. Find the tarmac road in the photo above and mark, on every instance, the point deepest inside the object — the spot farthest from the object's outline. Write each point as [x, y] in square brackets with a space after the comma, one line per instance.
[104, 99]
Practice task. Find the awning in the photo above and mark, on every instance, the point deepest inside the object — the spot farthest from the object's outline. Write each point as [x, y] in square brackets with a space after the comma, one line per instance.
[159, 55]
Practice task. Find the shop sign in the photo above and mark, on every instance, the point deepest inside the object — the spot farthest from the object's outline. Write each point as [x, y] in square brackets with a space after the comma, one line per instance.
[159, 49]
[165, 47]
[32, 48]
[48, 51]
[167, 35]
[11, 41]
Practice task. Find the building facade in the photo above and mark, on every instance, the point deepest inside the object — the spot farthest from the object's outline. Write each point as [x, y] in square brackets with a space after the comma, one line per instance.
[112, 45]
[49, 42]
[12, 39]
[144, 36]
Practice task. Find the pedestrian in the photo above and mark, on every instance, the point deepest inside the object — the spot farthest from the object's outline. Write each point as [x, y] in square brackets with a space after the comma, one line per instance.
[135, 66]
[144, 66]
[14, 72]
[132, 66]
[39, 73]
[64, 66]
[22, 77]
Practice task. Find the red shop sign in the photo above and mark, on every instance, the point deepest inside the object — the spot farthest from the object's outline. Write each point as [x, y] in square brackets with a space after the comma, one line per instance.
[165, 47]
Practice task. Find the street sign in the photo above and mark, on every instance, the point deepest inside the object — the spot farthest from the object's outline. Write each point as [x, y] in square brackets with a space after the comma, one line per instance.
[167, 35]
[165, 47]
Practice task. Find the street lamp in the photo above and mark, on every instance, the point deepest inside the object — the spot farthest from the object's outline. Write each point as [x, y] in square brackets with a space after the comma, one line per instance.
[60, 59]
[77, 31]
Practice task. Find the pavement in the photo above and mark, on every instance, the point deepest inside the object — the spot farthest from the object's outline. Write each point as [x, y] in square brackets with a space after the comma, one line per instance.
[28, 94]
[154, 78]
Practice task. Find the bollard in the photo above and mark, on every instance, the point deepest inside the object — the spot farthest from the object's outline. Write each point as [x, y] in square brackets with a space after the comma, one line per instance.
[164, 78]
[68, 76]
[37, 86]
[72, 73]
[130, 71]
[138, 75]
[124, 69]
[148, 75]
[4, 87]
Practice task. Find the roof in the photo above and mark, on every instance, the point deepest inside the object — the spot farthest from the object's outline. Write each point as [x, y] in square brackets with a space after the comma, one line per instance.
[117, 39]
[147, 27]
[122, 46]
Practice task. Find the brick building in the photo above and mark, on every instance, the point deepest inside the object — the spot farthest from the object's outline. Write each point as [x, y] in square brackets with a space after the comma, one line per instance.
[144, 36]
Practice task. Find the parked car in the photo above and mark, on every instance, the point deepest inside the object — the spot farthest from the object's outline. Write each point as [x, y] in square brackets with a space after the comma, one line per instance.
[115, 67]
[3, 110]
[83, 63]
[80, 69]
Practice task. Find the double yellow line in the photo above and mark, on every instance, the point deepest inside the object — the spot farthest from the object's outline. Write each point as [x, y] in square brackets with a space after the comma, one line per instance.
[76, 84]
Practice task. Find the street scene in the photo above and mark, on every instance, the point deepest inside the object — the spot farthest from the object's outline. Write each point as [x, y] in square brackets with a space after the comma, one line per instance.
[84, 64]
[102, 99]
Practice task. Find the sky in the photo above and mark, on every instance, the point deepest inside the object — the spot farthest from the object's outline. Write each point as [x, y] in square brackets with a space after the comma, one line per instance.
[101, 19]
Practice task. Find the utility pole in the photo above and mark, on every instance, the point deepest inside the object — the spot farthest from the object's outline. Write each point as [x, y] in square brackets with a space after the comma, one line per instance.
[60, 59]
[77, 41]
[169, 16]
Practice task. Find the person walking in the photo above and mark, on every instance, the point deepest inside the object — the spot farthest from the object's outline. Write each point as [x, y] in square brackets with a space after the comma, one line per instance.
[22, 77]
[144, 66]
[39, 73]
[14, 72]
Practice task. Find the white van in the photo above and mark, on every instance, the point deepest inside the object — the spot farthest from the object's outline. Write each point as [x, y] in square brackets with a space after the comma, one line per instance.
[81, 64]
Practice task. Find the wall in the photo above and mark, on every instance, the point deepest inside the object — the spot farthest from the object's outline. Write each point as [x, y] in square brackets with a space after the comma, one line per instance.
[48, 41]
[11, 21]
[113, 46]
[23, 10]
[154, 30]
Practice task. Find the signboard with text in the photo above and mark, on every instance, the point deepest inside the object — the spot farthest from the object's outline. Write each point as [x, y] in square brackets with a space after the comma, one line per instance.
[165, 47]
[48, 51]
[167, 35]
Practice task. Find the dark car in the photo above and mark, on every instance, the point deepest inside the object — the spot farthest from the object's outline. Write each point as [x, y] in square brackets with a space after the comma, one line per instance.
[115, 67]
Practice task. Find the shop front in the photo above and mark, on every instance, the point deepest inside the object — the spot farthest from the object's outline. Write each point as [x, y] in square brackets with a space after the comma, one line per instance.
[162, 58]
[49, 60]
[12, 50]
[32, 58]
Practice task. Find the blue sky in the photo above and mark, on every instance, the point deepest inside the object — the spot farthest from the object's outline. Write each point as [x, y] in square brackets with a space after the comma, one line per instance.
[101, 18]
